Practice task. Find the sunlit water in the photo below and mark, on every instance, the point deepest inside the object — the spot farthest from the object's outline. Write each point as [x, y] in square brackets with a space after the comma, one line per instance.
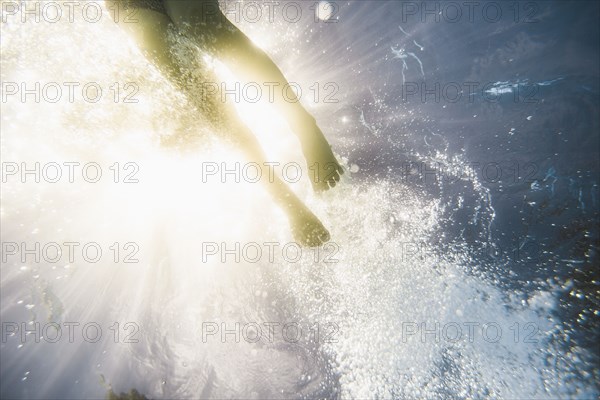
[372, 299]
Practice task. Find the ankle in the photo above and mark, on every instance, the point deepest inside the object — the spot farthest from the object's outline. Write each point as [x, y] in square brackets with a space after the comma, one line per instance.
[309, 133]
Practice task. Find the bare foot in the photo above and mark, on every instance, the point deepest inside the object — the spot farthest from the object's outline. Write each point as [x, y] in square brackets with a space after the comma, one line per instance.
[324, 170]
[308, 230]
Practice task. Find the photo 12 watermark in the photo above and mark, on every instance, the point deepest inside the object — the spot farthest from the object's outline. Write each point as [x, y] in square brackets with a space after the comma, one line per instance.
[269, 92]
[33, 332]
[469, 331]
[505, 172]
[469, 92]
[265, 172]
[268, 252]
[269, 332]
[252, 12]
[69, 172]
[454, 12]
[69, 252]
[69, 92]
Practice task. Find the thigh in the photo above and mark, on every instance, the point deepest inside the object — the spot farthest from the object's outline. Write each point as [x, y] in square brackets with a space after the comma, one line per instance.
[150, 32]
[155, 35]
[203, 22]
[201, 11]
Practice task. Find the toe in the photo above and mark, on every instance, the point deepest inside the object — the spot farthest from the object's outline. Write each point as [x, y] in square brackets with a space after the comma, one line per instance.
[337, 176]
[333, 180]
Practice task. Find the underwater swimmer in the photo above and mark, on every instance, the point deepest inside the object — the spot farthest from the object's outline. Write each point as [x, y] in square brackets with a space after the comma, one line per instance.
[202, 22]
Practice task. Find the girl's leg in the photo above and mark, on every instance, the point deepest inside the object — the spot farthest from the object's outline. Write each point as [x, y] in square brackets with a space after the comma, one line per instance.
[306, 227]
[151, 33]
[203, 20]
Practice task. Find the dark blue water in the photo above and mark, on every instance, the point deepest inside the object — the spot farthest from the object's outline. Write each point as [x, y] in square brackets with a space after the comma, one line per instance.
[534, 145]
[527, 124]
